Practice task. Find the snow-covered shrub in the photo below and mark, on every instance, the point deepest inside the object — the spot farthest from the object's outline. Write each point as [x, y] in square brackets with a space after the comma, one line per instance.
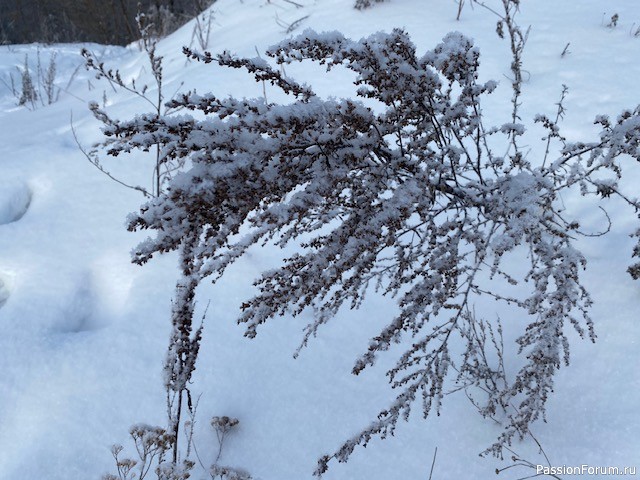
[39, 85]
[405, 191]
[28, 93]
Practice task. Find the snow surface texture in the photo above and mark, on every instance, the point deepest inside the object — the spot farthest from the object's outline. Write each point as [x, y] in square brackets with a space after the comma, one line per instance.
[83, 332]
[14, 201]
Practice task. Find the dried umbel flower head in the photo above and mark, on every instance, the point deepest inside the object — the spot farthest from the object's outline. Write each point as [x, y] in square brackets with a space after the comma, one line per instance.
[224, 423]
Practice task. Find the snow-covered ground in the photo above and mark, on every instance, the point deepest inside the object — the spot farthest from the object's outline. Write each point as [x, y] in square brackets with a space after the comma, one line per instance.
[83, 332]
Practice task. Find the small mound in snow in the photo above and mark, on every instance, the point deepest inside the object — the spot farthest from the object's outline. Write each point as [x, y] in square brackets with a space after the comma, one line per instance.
[15, 198]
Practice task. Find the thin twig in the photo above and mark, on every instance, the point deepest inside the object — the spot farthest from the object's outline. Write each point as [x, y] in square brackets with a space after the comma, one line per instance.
[93, 161]
[433, 463]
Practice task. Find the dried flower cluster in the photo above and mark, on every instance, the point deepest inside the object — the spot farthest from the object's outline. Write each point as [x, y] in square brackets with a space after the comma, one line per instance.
[362, 4]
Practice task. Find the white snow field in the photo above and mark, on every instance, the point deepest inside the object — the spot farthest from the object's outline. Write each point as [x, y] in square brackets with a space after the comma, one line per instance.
[83, 332]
